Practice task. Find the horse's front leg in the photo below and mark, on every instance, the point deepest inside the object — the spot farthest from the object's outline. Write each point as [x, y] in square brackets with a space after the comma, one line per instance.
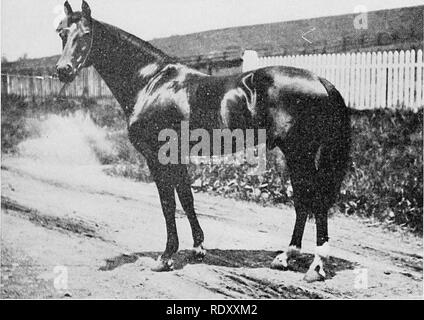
[185, 195]
[163, 179]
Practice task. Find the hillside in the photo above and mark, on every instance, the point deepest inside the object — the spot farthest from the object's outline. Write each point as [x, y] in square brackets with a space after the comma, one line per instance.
[387, 29]
[400, 28]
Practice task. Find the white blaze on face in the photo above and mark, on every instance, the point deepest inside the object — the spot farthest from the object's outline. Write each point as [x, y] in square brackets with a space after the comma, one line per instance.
[74, 31]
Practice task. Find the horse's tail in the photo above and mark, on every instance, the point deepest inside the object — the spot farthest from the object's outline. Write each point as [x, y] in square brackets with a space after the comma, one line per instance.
[335, 148]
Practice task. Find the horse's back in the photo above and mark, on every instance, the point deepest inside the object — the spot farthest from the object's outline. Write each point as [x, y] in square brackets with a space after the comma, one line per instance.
[272, 98]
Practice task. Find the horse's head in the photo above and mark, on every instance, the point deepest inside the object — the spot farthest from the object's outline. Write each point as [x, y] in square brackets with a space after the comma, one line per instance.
[75, 31]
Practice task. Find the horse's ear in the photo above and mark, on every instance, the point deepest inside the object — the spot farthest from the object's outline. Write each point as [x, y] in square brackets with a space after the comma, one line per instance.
[67, 8]
[85, 9]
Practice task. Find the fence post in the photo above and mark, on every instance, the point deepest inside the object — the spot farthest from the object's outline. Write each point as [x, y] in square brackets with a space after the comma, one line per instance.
[4, 84]
[9, 90]
[250, 60]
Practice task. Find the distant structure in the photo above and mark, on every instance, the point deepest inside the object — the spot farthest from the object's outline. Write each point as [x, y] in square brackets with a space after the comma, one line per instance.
[220, 51]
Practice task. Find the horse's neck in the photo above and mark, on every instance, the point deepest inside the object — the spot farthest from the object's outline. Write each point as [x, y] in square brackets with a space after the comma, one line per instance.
[119, 58]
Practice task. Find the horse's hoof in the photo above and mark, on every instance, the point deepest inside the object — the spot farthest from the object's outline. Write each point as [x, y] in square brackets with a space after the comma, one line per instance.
[163, 265]
[312, 276]
[280, 262]
[199, 253]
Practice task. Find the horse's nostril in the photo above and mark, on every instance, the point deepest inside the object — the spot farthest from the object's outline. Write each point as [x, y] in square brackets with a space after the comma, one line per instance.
[66, 69]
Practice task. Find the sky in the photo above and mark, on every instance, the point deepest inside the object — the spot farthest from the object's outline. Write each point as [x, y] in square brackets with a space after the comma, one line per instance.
[28, 26]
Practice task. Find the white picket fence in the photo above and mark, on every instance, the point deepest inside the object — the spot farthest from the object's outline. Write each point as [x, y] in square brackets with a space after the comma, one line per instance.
[366, 80]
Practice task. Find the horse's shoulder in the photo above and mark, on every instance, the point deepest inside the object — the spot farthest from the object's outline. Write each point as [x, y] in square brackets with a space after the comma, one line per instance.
[169, 87]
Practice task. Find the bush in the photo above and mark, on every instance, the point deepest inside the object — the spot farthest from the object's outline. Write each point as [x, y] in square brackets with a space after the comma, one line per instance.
[385, 180]
[234, 181]
[126, 161]
[13, 117]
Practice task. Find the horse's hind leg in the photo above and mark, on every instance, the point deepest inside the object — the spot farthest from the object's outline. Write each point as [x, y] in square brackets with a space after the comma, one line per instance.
[185, 195]
[328, 180]
[300, 161]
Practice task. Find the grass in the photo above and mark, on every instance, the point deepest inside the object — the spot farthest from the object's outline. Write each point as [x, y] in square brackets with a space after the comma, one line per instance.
[384, 181]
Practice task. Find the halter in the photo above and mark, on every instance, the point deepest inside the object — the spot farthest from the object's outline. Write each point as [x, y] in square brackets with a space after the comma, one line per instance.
[82, 64]
[79, 65]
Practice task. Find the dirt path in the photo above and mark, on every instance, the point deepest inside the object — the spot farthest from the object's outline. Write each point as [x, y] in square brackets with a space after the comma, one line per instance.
[102, 234]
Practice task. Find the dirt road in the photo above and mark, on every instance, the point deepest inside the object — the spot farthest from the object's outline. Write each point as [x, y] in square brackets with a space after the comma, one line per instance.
[73, 232]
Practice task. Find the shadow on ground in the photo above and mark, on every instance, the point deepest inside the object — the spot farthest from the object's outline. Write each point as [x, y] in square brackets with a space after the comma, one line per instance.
[234, 259]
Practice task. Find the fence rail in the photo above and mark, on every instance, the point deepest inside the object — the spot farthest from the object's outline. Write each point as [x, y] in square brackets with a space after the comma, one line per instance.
[392, 79]
[88, 83]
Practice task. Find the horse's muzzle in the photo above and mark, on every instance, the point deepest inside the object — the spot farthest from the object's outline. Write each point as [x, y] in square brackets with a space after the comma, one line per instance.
[66, 73]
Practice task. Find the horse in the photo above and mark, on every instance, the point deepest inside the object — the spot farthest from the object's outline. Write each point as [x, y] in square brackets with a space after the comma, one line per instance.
[303, 114]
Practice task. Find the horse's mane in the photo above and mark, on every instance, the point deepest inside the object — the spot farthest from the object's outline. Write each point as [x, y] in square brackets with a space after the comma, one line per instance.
[135, 42]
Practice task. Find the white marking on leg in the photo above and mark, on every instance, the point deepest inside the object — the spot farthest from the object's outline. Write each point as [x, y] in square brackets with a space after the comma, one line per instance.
[317, 265]
[163, 265]
[281, 261]
[199, 250]
[323, 251]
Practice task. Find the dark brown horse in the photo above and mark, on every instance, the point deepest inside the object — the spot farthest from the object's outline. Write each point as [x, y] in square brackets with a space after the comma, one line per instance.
[303, 115]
